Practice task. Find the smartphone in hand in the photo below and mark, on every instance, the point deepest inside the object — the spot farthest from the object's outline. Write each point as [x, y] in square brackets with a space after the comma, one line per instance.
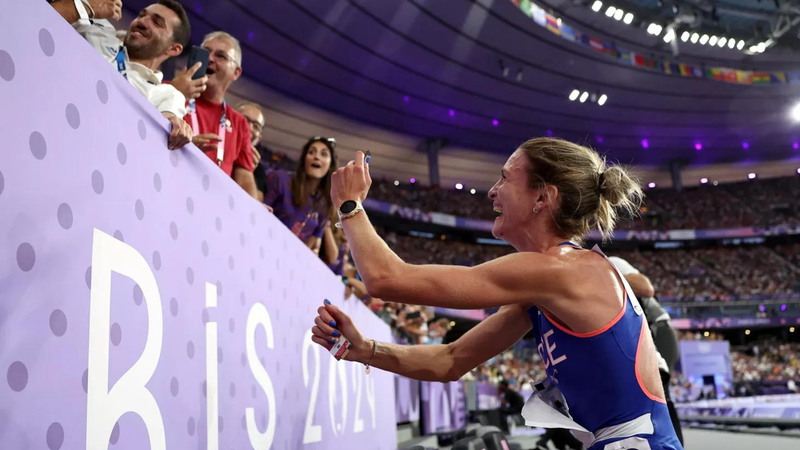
[198, 54]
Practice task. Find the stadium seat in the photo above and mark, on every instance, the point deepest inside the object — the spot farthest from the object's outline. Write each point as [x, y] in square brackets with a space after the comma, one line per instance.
[495, 440]
[470, 443]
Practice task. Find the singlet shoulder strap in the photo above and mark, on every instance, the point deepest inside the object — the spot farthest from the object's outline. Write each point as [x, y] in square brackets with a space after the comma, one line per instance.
[637, 308]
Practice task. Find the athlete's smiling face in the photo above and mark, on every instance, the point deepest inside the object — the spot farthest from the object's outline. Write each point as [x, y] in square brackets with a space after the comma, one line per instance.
[513, 200]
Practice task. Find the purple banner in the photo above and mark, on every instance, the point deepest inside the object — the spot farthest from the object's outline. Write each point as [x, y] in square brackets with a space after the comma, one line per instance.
[488, 398]
[734, 322]
[406, 399]
[145, 300]
[786, 407]
[443, 407]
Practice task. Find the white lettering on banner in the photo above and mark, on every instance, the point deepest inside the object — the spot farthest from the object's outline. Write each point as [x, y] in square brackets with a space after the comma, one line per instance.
[129, 394]
[337, 371]
[550, 349]
[369, 386]
[258, 315]
[212, 374]
[312, 433]
[358, 377]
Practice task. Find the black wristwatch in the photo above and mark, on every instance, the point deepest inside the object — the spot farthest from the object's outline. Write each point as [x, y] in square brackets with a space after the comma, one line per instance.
[347, 210]
[348, 207]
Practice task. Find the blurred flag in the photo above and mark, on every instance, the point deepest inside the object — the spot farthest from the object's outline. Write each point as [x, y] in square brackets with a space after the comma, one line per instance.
[553, 25]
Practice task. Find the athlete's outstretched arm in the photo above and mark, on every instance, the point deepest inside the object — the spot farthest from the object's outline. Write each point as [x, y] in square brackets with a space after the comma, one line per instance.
[428, 362]
[513, 279]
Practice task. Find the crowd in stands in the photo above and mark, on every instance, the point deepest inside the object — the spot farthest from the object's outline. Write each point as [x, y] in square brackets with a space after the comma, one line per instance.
[760, 203]
[518, 366]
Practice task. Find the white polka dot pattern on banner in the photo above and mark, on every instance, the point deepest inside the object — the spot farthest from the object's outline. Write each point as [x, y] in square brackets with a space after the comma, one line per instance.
[190, 225]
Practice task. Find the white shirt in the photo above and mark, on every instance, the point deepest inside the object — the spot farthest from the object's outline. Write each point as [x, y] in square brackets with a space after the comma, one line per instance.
[101, 35]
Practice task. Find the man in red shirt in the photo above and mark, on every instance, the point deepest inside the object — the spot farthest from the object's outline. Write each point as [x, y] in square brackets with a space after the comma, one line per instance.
[220, 131]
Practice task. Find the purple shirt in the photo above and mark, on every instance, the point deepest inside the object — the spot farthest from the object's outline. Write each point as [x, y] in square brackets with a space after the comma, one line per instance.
[304, 221]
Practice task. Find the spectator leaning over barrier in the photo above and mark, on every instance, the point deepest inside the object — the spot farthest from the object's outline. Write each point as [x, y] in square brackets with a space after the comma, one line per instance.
[159, 32]
[302, 200]
[255, 118]
[220, 131]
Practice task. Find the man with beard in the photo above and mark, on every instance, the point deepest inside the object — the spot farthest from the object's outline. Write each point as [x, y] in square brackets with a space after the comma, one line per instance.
[159, 32]
[220, 131]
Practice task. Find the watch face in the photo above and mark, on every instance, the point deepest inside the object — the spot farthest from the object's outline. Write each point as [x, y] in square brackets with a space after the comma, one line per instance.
[348, 206]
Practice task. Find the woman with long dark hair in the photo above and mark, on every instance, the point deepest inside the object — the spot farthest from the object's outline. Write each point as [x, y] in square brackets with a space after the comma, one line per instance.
[301, 200]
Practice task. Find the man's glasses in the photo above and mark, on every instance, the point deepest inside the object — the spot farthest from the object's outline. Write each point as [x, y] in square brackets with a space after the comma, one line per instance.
[254, 123]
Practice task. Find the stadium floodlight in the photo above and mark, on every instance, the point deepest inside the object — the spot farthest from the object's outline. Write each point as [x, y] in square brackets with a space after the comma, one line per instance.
[703, 39]
[796, 114]
[731, 43]
[602, 100]
[713, 40]
[695, 37]
[685, 36]
[396, 182]
[654, 29]
[610, 11]
[459, 186]
[584, 96]
[651, 185]
[618, 14]
[574, 94]
[628, 18]
[751, 176]
[703, 180]
[669, 36]
[740, 45]
[596, 6]
[472, 191]
[761, 47]
[722, 41]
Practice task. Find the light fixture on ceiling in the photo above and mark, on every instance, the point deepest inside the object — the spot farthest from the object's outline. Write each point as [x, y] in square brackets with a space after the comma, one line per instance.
[722, 41]
[472, 191]
[654, 29]
[761, 47]
[796, 113]
[732, 43]
[602, 100]
[618, 14]
[694, 38]
[628, 18]
[651, 185]
[751, 176]
[596, 6]
[713, 40]
[459, 186]
[669, 36]
[574, 94]
[703, 180]
[703, 39]
[610, 11]
[685, 36]
[584, 96]
[740, 45]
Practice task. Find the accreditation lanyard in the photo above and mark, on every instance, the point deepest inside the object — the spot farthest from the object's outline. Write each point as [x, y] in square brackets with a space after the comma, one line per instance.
[120, 59]
[223, 125]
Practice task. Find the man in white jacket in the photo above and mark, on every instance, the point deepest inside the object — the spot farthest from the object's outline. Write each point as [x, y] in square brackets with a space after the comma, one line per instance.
[159, 32]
